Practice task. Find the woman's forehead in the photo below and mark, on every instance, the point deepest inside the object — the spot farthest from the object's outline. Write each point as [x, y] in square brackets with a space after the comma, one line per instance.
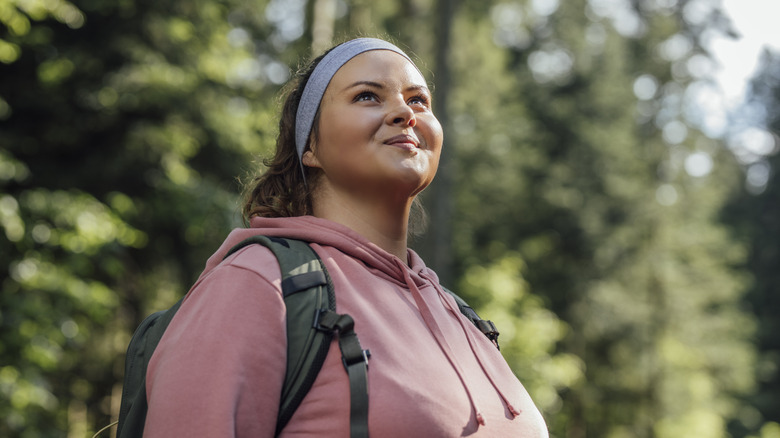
[381, 66]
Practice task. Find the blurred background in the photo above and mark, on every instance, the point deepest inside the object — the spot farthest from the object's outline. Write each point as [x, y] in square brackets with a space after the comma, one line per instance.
[607, 193]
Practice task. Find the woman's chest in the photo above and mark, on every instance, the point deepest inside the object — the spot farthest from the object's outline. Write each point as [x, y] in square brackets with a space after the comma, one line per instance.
[414, 387]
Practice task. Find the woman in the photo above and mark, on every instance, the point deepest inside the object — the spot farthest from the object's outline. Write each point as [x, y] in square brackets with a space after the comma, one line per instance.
[358, 141]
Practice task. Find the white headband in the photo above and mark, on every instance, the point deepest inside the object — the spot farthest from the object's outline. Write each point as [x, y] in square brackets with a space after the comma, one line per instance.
[320, 78]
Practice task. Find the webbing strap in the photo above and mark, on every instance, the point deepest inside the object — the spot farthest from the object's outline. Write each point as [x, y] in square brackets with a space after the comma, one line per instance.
[358, 394]
[355, 361]
[301, 282]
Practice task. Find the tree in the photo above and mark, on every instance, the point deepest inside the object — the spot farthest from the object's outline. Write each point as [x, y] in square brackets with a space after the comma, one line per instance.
[575, 152]
[754, 214]
[125, 125]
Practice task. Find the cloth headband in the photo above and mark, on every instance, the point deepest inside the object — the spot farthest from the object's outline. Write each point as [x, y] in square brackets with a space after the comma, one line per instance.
[320, 78]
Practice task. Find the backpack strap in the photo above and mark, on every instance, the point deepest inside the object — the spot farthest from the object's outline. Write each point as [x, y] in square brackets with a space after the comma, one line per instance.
[486, 327]
[312, 322]
[355, 361]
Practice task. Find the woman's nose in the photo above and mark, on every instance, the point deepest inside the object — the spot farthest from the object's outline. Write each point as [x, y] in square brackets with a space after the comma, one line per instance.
[402, 114]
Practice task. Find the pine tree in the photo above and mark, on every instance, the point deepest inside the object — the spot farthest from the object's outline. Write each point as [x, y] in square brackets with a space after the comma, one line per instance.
[125, 125]
[573, 150]
[754, 214]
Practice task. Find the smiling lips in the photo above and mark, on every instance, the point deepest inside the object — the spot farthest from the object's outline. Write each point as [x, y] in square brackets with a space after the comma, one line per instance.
[404, 141]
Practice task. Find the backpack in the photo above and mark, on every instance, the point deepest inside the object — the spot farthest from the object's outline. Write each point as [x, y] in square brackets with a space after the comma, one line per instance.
[312, 323]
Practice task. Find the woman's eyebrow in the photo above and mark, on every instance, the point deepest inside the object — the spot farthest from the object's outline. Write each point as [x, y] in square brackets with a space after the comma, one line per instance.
[380, 86]
[422, 88]
[365, 83]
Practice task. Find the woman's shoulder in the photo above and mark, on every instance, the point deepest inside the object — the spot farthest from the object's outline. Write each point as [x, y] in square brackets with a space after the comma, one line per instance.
[253, 267]
[254, 258]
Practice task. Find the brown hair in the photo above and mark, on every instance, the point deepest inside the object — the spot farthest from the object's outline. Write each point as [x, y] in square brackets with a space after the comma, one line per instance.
[281, 190]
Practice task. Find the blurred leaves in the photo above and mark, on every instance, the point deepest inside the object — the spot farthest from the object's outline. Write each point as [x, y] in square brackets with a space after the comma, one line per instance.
[529, 331]
[126, 127]
[17, 16]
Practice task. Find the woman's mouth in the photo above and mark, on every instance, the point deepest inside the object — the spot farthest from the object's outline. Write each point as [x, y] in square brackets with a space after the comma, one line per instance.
[404, 141]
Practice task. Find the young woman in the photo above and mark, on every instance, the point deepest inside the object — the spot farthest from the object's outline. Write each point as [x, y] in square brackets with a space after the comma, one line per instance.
[358, 141]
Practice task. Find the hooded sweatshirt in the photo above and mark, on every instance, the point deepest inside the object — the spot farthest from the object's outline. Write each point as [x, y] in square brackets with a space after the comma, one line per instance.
[219, 368]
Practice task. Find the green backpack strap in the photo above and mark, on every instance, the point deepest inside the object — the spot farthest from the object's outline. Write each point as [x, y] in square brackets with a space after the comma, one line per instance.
[486, 327]
[312, 322]
[355, 361]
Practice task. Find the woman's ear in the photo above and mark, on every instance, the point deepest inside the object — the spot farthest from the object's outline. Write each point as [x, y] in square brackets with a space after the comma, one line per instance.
[309, 158]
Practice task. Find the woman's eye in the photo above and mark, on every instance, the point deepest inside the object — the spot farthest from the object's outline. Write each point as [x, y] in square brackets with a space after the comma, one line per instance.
[365, 97]
[419, 100]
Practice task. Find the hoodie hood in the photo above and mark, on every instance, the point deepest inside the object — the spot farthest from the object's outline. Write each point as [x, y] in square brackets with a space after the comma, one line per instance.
[327, 233]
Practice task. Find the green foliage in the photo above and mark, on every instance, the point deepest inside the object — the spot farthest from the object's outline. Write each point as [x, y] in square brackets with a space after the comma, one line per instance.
[529, 331]
[755, 220]
[560, 163]
[127, 124]
[18, 17]
[769, 430]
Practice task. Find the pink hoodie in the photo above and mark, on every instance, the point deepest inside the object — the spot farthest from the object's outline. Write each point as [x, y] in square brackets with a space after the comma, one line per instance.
[218, 370]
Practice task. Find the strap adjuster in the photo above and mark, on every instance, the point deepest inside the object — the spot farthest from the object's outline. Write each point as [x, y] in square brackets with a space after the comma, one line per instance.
[355, 361]
[489, 329]
[362, 358]
[330, 321]
[325, 320]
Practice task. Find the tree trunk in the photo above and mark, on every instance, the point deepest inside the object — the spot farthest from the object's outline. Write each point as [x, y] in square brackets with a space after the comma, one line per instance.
[322, 25]
[438, 243]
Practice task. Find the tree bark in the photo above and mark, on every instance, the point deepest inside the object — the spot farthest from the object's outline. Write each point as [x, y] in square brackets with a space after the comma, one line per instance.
[322, 26]
[440, 198]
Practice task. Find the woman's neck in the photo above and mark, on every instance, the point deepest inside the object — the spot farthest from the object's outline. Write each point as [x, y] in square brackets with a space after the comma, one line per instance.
[382, 222]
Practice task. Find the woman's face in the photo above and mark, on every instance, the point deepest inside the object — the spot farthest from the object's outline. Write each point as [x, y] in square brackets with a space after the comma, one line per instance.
[377, 134]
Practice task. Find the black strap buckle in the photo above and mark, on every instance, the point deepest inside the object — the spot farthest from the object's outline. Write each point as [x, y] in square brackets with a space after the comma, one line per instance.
[357, 359]
[325, 320]
[489, 329]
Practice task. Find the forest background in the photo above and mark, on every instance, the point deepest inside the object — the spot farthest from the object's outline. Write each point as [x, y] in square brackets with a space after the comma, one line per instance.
[622, 235]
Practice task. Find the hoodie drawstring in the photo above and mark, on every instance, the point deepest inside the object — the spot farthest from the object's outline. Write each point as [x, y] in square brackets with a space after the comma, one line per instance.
[433, 326]
[470, 339]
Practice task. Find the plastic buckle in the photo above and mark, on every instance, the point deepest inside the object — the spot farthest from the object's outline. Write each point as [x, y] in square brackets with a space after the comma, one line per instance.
[318, 323]
[366, 355]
